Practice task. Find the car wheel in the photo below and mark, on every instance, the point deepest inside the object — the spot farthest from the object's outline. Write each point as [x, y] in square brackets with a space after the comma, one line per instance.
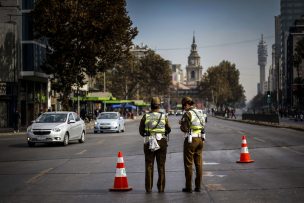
[124, 129]
[31, 144]
[82, 138]
[65, 139]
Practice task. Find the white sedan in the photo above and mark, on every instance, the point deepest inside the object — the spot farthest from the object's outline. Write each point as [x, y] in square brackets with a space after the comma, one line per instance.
[60, 127]
[109, 122]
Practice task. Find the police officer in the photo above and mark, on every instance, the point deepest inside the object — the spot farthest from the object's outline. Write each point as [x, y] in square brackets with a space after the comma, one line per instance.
[192, 124]
[154, 127]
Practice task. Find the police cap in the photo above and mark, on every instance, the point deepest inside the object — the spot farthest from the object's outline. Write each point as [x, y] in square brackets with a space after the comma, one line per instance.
[187, 100]
[155, 101]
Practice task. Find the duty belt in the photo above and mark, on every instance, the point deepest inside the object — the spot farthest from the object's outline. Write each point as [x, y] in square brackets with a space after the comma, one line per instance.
[194, 135]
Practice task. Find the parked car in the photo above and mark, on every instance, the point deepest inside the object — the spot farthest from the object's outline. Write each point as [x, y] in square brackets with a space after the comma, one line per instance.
[109, 122]
[171, 112]
[59, 127]
[178, 112]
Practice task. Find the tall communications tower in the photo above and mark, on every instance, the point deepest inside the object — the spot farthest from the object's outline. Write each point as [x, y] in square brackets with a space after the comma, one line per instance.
[262, 61]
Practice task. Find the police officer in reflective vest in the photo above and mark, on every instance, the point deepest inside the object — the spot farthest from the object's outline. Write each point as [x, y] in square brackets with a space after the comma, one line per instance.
[154, 127]
[192, 124]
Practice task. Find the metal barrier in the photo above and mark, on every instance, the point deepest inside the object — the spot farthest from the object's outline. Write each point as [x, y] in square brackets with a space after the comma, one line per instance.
[272, 118]
[219, 113]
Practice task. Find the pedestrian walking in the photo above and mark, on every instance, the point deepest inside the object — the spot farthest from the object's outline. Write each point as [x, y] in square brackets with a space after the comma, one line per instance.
[155, 129]
[17, 118]
[192, 124]
[233, 113]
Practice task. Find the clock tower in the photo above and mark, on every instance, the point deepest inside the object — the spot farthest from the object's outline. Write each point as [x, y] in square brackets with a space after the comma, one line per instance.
[194, 69]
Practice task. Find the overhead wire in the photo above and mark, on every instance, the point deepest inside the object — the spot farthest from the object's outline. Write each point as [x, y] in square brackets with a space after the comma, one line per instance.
[217, 45]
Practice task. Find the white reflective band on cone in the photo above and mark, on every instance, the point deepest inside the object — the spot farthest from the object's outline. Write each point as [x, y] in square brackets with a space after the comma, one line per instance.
[244, 142]
[244, 150]
[120, 160]
[120, 172]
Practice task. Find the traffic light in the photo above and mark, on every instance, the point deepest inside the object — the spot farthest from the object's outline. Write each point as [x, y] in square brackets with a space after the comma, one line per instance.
[268, 97]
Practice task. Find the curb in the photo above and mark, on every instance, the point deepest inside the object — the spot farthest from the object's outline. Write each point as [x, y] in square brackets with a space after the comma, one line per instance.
[12, 133]
[264, 124]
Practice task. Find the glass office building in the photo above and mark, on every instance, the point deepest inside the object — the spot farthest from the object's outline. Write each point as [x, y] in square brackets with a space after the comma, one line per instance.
[23, 85]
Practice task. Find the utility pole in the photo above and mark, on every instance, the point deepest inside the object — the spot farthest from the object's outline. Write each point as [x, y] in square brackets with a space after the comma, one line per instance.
[104, 81]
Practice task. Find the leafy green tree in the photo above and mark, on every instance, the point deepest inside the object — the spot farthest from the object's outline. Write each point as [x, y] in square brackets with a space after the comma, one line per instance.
[84, 37]
[140, 78]
[258, 102]
[221, 85]
[125, 79]
[156, 75]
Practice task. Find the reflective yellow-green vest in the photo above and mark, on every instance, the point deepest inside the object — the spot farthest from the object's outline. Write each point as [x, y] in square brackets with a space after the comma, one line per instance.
[197, 121]
[152, 120]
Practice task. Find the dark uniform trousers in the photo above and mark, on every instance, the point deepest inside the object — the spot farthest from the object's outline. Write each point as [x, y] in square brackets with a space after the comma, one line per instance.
[193, 154]
[160, 156]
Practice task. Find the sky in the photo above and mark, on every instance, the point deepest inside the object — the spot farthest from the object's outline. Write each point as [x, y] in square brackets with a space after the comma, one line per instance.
[224, 30]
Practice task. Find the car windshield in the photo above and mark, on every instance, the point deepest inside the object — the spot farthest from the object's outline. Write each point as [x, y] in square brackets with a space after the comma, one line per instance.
[52, 118]
[107, 116]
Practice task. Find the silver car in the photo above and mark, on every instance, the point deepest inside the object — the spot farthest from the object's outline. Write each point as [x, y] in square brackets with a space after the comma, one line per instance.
[60, 127]
[109, 122]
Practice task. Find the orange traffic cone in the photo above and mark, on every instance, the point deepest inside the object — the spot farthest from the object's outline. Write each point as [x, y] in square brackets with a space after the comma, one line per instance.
[120, 181]
[244, 157]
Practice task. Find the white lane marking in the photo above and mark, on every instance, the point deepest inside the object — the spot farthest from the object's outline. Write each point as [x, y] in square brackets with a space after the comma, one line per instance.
[100, 142]
[36, 177]
[258, 139]
[292, 150]
[211, 174]
[83, 151]
[242, 132]
[210, 163]
[215, 187]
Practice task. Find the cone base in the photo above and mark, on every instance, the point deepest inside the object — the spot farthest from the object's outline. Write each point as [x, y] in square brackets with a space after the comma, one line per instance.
[248, 161]
[120, 189]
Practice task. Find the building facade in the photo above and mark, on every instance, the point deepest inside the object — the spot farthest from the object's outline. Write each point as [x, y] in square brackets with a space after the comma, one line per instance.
[177, 73]
[291, 10]
[27, 86]
[9, 61]
[295, 75]
[276, 61]
[194, 69]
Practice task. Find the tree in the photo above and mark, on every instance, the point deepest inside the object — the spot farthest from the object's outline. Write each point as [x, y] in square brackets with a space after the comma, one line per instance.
[84, 38]
[156, 75]
[220, 84]
[258, 102]
[125, 79]
[144, 77]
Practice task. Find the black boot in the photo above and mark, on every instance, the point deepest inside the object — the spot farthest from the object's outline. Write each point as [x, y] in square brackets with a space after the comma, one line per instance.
[197, 189]
[187, 190]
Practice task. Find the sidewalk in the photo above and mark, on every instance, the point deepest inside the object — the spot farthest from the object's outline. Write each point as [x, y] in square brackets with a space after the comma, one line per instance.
[284, 122]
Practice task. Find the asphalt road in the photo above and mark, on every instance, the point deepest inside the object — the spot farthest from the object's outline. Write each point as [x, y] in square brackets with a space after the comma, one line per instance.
[85, 172]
